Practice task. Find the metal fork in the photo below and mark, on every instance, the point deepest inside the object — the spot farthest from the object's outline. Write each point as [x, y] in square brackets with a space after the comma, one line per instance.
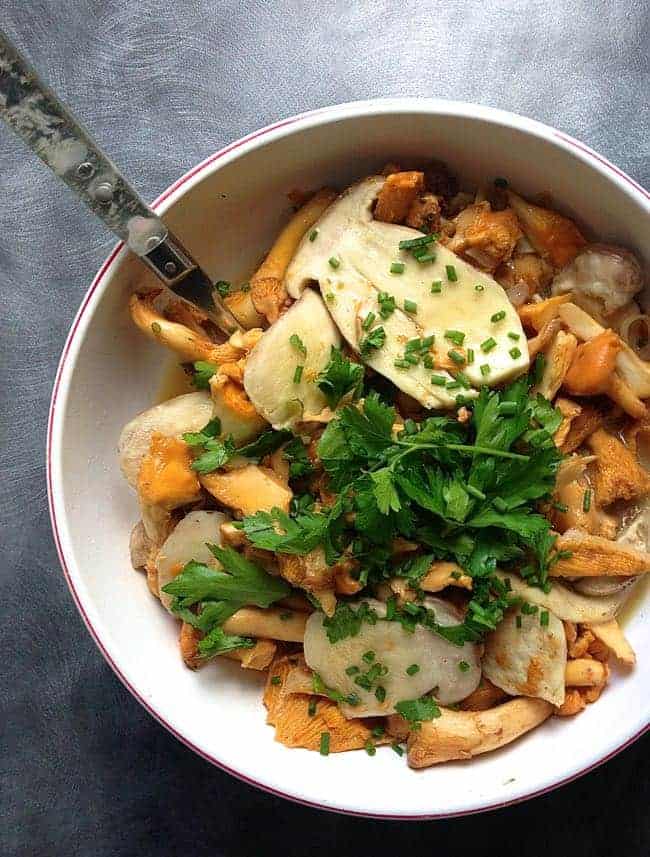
[40, 118]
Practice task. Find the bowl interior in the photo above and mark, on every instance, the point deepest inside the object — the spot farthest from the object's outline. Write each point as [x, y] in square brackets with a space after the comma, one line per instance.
[227, 214]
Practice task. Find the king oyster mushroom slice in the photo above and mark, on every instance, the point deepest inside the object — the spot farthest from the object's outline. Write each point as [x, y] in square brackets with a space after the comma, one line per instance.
[636, 535]
[186, 413]
[527, 659]
[269, 376]
[188, 541]
[605, 275]
[397, 650]
[365, 249]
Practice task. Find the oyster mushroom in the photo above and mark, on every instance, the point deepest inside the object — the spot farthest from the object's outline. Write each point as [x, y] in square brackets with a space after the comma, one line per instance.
[269, 377]
[351, 260]
[396, 650]
[601, 278]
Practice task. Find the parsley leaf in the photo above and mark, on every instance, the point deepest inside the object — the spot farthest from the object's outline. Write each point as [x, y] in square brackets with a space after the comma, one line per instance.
[340, 377]
[374, 340]
[385, 492]
[216, 454]
[266, 443]
[276, 531]
[203, 371]
[346, 622]
[216, 642]
[417, 710]
[208, 432]
[299, 462]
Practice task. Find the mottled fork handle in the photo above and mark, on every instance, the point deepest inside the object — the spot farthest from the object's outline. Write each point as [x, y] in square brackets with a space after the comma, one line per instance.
[37, 115]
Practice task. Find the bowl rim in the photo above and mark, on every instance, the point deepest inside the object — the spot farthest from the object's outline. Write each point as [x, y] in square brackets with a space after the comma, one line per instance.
[100, 282]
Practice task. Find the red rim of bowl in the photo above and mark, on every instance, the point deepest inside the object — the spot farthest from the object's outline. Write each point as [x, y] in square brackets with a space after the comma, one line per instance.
[97, 281]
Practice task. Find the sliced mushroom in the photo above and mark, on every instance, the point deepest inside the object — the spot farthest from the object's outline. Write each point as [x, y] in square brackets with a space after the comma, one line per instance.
[351, 260]
[395, 649]
[584, 555]
[188, 541]
[270, 375]
[248, 489]
[486, 238]
[555, 237]
[525, 658]
[566, 604]
[464, 734]
[559, 355]
[612, 636]
[166, 478]
[601, 278]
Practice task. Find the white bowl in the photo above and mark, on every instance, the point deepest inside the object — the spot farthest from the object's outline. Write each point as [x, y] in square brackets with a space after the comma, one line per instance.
[227, 210]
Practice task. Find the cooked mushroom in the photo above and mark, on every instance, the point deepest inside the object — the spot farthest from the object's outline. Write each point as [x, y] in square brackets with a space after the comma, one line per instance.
[612, 636]
[464, 734]
[601, 278]
[583, 555]
[619, 476]
[525, 658]
[397, 195]
[352, 259]
[248, 489]
[555, 237]
[559, 355]
[279, 394]
[570, 488]
[395, 650]
[166, 478]
[487, 238]
[187, 541]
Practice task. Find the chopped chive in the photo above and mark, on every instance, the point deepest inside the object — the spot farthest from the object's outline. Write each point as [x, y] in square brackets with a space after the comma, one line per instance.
[298, 344]
[368, 320]
[363, 681]
[488, 345]
[453, 385]
[412, 359]
[410, 306]
[498, 316]
[297, 375]
[500, 505]
[386, 304]
[561, 507]
[380, 693]
[436, 287]
[427, 341]
[413, 345]
[324, 743]
[438, 380]
[462, 400]
[421, 241]
[311, 708]
[470, 356]
[507, 409]
[352, 670]
[368, 656]
[474, 492]
[452, 276]
[370, 748]
[586, 500]
[413, 669]
[402, 363]
[514, 336]
[485, 369]
[463, 666]
[455, 336]
[353, 699]
[458, 358]
[276, 680]
[334, 262]
[397, 267]
[543, 618]
[329, 297]
[518, 620]
[515, 353]
[424, 258]
[427, 361]
[223, 287]
[313, 234]
[397, 749]
[463, 380]
[377, 732]
[479, 287]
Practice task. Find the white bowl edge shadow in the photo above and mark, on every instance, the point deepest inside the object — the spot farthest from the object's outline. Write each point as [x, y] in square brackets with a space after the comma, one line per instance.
[227, 210]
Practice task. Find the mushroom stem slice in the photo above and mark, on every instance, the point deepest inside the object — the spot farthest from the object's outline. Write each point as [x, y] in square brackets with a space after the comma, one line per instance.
[591, 556]
[464, 734]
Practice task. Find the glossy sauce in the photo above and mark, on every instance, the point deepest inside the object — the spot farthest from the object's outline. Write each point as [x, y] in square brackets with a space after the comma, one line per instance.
[175, 381]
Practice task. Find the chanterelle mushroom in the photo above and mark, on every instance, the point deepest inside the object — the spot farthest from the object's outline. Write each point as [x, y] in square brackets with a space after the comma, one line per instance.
[303, 336]
[394, 651]
[351, 259]
[601, 278]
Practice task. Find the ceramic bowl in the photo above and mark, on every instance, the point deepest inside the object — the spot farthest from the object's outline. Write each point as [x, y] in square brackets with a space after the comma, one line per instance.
[227, 210]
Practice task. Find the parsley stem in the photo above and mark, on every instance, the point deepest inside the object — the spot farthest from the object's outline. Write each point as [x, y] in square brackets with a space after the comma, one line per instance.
[460, 447]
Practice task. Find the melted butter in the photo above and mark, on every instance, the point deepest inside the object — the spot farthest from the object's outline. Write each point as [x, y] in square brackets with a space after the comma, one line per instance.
[175, 381]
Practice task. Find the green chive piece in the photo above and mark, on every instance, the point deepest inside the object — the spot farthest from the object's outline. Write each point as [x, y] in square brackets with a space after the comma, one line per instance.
[297, 375]
[410, 306]
[276, 680]
[424, 258]
[436, 287]
[223, 287]
[396, 747]
[352, 670]
[463, 380]
[397, 267]
[313, 234]
[402, 363]
[377, 732]
[514, 336]
[353, 699]
[586, 500]
[311, 708]
[518, 620]
[413, 669]
[453, 385]
[368, 656]
[463, 666]
[543, 618]
[462, 400]
[458, 358]
[427, 341]
[324, 743]
[329, 297]
[427, 361]
[368, 320]
[452, 276]
[421, 241]
[488, 345]
[370, 748]
[561, 507]
[380, 693]
[498, 316]
[479, 287]
[438, 380]
[334, 262]
[500, 505]
[470, 356]
[296, 342]
[455, 336]
[515, 353]
[507, 409]
[485, 369]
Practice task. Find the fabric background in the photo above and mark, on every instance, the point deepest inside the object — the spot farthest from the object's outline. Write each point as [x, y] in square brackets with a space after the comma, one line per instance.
[84, 770]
